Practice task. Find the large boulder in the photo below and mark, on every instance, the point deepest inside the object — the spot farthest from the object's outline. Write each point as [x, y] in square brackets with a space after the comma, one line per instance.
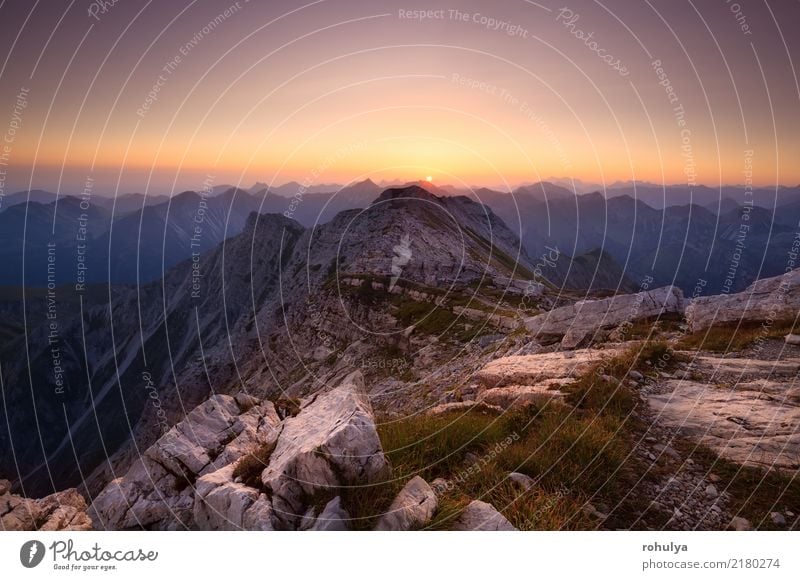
[481, 516]
[63, 510]
[413, 507]
[577, 323]
[767, 299]
[158, 491]
[331, 443]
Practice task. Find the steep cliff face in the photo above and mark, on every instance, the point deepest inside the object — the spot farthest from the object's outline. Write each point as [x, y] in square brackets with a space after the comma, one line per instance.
[101, 370]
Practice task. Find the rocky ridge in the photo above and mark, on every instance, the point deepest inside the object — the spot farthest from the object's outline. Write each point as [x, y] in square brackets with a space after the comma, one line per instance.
[190, 479]
[62, 511]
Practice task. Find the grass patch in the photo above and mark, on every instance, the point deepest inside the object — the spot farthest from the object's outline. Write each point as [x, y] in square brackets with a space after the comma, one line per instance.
[368, 294]
[428, 318]
[573, 453]
[733, 337]
[251, 465]
[650, 357]
[436, 446]
[652, 327]
[287, 407]
[435, 320]
[428, 446]
[594, 393]
[564, 450]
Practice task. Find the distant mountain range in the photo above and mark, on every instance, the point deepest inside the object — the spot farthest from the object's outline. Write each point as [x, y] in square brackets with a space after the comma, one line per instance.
[654, 195]
[146, 236]
[136, 238]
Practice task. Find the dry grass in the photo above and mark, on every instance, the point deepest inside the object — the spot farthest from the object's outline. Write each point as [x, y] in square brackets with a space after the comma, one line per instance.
[653, 327]
[575, 453]
[564, 449]
[250, 466]
[287, 407]
[733, 337]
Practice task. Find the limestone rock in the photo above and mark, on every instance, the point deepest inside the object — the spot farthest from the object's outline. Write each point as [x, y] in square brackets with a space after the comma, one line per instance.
[777, 519]
[464, 406]
[750, 423]
[541, 369]
[64, 510]
[521, 480]
[743, 370]
[413, 507]
[770, 298]
[521, 395]
[222, 504]
[740, 524]
[18, 512]
[481, 516]
[158, 491]
[332, 442]
[575, 324]
[334, 518]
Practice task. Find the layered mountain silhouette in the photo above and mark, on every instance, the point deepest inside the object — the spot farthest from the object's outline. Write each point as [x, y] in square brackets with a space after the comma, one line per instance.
[136, 238]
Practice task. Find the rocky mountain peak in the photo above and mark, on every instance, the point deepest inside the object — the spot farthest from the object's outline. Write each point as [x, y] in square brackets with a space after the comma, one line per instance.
[409, 192]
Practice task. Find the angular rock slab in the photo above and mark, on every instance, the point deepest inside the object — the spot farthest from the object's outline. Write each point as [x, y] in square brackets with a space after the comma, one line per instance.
[331, 443]
[751, 423]
[222, 504]
[334, 518]
[543, 368]
[463, 407]
[742, 369]
[767, 299]
[521, 395]
[577, 322]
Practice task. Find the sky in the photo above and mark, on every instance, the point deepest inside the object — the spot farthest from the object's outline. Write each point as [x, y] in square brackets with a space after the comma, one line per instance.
[146, 96]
